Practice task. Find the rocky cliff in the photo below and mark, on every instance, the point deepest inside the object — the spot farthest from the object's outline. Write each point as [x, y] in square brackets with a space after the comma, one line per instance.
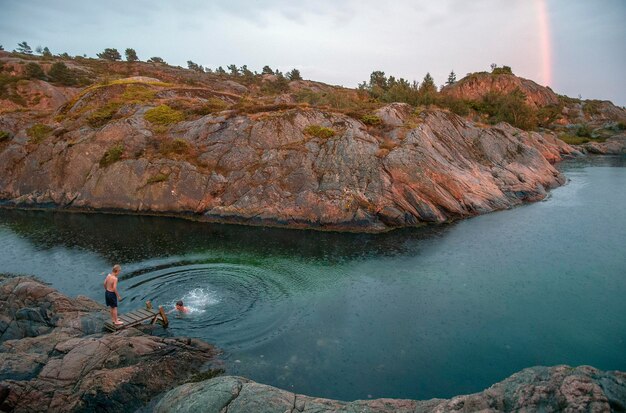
[210, 148]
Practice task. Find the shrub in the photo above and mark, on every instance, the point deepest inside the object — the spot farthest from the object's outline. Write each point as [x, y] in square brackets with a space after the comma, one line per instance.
[591, 107]
[621, 126]
[176, 146]
[504, 70]
[60, 73]
[34, 71]
[583, 131]
[163, 115]
[38, 132]
[101, 116]
[511, 108]
[319, 131]
[160, 177]
[4, 136]
[371, 120]
[112, 155]
[458, 106]
[280, 85]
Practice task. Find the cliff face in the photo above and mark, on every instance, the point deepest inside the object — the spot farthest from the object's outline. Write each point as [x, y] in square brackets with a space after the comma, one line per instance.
[211, 152]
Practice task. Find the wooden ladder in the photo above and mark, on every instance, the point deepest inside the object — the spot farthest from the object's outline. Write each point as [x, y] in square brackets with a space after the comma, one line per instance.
[137, 317]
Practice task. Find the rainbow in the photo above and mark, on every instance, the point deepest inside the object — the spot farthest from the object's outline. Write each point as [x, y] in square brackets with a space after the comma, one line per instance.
[545, 41]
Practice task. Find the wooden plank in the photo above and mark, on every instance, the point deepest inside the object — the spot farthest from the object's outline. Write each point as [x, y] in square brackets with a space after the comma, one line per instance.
[133, 316]
[146, 314]
[163, 316]
[128, 320]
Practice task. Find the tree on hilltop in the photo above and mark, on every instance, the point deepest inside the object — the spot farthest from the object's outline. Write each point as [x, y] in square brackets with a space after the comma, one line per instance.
[156, 59]
[234, 71]
[267, 70]
[194, 66]
[220, 71]
[131, 55]
[110, 54]
[34, 71]
[294, 75]
[38, 50]
[451, 78]
[1, 48]
[24, 48]
[46, 53]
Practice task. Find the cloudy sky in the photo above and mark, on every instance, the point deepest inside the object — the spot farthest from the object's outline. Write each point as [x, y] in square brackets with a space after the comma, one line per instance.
[575, 47]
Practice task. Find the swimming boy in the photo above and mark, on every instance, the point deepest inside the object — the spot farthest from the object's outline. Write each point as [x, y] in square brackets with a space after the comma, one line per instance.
[111, 296]
[180, 307]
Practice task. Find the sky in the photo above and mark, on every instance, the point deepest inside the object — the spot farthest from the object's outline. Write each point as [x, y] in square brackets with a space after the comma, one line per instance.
[577, 47]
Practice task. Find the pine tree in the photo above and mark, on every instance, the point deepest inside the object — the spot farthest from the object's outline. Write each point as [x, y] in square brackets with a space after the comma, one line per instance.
[46, 53]
[294, 75]
[220, 71]
[38, 49]
[194, 66]
[60, 73]
[110, 54]
[24, 48]
[156, 59]
[234, 71]
[267, 70]
[131, 55]
[451, 78]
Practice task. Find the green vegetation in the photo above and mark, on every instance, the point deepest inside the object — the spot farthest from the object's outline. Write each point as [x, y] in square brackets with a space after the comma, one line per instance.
[451, 78]
[592, 107]
[137, 93]
[176, 146]
[4, 136]
[583, 131]
[194, 66]
[156, 59]
[112, 155]
[510, 107]
[573, 139]
[294, 75]
[276, 86]
[160, 177]
[60, 73]
[8, 89]
[621, 126]
[504, 70]
[110, 54]
[131, 55]
[163, 115]
[24, 48]
[34, 71]
[371, 120]
[319, 131]
[38, 132]
[103, 115]
[212, 105]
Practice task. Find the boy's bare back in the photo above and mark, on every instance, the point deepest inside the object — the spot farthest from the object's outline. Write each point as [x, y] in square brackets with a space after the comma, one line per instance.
[110, 282]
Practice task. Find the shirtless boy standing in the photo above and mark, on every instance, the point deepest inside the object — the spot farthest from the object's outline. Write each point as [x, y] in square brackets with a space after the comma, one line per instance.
[110, 293]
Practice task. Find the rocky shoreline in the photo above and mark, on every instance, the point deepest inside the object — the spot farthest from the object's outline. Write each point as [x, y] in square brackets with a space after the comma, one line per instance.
[54, 356]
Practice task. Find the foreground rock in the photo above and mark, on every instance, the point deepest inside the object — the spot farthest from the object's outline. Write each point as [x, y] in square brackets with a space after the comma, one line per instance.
[546, 389]
[54, 356]
[612, 146]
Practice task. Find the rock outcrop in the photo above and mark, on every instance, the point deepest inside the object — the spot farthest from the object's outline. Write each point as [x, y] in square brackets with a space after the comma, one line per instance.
[545, 389]
[54, 356]
[477, 85]
[264, 168]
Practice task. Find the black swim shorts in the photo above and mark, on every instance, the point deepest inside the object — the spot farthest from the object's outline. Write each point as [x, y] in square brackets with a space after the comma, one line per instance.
[110, 298]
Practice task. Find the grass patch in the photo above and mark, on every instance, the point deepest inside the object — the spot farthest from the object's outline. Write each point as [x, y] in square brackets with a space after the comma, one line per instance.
[573, 139]
[137, 93]
[103, 115]
[160, 177]
[163, 115]
[38, 132]
[176, 146]
[112, 155]
[4, 135]
[371, 120]
[319, 131]
[212, 105]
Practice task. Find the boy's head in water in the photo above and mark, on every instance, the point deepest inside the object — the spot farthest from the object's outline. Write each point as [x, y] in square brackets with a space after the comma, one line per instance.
[181, 307]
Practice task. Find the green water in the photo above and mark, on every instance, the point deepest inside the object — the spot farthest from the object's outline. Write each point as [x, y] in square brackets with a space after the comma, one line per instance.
[416, 313]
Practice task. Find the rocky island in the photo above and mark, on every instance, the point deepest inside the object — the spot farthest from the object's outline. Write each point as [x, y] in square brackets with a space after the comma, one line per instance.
[54, 356]
[147, 138]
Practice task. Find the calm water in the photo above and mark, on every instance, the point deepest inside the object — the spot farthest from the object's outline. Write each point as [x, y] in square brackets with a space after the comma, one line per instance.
[422, 313]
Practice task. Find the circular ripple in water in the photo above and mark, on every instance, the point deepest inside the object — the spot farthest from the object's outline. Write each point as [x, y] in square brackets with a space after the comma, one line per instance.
[233, 305]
